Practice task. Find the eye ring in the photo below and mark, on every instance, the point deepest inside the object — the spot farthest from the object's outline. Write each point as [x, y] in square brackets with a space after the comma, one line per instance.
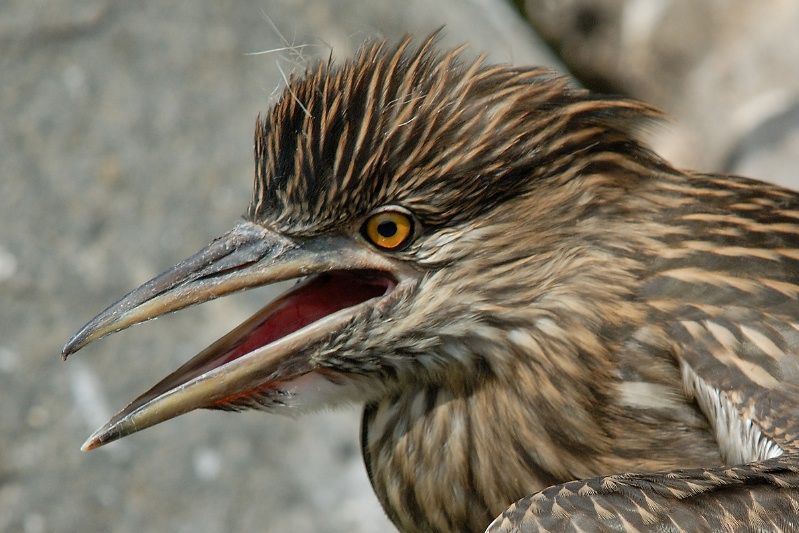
[389, 228]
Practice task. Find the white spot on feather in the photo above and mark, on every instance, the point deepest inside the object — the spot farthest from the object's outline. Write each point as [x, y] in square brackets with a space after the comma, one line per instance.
[549, 327]
[642, 394]
[521, 338]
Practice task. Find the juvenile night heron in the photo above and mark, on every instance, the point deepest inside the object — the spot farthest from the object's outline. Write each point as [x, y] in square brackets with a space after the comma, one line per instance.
[522, 295]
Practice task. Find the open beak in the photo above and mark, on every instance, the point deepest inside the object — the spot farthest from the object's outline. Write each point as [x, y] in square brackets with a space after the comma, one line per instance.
[269, 349]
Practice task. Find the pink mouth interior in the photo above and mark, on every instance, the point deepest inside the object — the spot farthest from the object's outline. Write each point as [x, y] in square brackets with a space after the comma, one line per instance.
[307, 302]
[313, 299]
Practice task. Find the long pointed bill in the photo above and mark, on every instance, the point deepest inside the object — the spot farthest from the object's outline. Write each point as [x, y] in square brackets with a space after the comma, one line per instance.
[271, 348]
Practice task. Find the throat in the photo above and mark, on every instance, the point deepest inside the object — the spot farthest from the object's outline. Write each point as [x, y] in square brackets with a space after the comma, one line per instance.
[436, 463]
[419, 450]
[450, 460]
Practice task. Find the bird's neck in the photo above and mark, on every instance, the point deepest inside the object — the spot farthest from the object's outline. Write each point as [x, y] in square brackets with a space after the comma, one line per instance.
[434, 463]
[451, 460]
[544, 401]
[445, 458]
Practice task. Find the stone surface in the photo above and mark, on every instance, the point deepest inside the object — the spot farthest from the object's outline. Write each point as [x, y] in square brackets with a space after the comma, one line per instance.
[126, 142]
[726, 72]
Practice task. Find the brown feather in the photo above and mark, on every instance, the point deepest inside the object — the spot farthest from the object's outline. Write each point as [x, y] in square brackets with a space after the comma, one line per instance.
[575, 283]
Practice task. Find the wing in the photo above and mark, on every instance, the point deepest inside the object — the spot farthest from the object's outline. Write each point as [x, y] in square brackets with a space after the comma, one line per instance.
[742, 367]
[739, 366]
[757, 497]
[728, 283]
[725, 277]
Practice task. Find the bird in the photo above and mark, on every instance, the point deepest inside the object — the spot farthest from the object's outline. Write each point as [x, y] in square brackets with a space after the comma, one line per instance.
[549, 326]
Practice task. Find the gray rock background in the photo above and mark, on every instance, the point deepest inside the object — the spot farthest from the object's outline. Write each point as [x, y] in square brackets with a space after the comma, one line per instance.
[125, 145]
[726, 71]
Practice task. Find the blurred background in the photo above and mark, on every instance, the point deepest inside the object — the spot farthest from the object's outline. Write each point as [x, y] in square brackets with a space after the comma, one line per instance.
[126, 144]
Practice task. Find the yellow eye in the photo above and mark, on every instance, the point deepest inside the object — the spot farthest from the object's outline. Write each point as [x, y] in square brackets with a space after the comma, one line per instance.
[388, 229]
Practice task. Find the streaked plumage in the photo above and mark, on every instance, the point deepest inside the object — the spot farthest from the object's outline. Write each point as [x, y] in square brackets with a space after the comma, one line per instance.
[568, 305]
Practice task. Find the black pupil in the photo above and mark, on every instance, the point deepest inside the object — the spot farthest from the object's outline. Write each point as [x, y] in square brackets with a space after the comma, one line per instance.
[387, 229]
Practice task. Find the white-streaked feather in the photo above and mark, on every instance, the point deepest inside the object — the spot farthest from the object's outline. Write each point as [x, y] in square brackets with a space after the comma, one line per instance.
[645, 395]
[740, 439]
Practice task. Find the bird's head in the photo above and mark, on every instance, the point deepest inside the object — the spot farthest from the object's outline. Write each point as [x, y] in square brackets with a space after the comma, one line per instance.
[405, 190]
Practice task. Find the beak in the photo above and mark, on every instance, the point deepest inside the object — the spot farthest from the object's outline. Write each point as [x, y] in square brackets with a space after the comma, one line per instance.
[271, 348]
